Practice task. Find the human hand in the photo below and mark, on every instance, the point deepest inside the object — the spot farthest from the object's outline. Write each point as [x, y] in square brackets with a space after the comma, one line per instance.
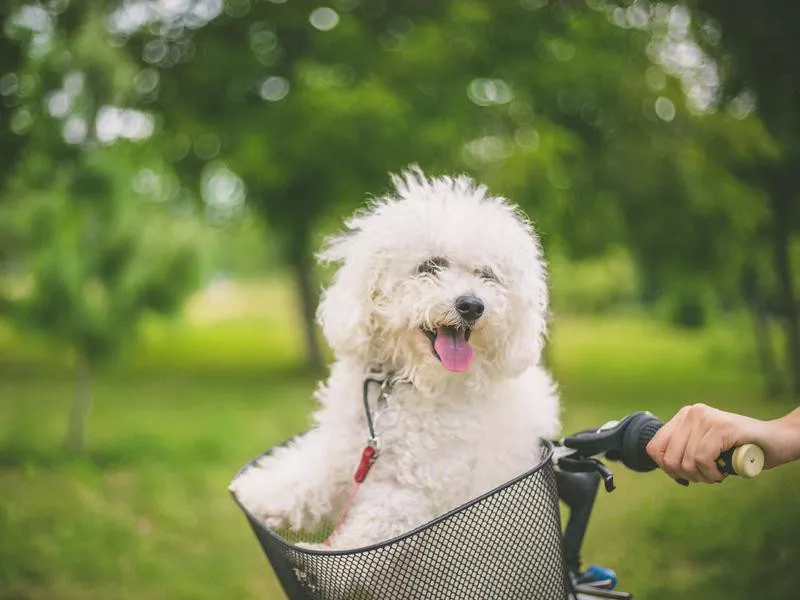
[688, 445]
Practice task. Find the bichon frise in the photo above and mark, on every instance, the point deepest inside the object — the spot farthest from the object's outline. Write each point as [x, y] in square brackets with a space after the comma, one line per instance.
[441, 295]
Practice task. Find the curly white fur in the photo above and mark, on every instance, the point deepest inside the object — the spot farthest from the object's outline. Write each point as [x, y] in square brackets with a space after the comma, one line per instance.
[446, 437]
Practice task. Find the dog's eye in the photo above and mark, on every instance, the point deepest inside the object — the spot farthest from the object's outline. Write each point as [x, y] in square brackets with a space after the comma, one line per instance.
[487, 274]
[433, 265]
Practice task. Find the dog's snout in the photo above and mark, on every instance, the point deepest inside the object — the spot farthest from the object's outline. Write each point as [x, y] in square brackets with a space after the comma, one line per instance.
[469, 307]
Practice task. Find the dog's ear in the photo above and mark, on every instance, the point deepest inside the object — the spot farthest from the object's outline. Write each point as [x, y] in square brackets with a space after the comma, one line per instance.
[345, 312]
[530, 282]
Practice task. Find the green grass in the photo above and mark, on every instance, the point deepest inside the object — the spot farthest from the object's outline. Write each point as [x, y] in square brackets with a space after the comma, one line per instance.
[145, 512]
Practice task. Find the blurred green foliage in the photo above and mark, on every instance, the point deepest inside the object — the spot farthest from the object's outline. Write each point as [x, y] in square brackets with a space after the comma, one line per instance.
[98, 257]
[601, 285]
[614, 124]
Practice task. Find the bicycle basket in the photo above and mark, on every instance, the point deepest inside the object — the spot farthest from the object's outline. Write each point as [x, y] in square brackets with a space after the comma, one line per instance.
[504, 544]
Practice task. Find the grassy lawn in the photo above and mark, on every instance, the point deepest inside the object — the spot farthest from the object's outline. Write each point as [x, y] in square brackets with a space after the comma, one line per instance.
[145, 512]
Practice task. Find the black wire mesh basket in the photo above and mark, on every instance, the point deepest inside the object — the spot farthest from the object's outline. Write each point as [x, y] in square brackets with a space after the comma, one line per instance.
[506, 543]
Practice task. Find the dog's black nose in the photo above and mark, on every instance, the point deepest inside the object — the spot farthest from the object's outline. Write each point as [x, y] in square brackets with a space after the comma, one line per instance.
[469, 307]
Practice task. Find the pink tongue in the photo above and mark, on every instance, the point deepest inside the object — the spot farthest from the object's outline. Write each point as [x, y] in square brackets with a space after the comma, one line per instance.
[453, 350]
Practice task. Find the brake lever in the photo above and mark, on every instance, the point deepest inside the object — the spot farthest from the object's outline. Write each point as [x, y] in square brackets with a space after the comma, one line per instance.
[607, 475]
[581, 464]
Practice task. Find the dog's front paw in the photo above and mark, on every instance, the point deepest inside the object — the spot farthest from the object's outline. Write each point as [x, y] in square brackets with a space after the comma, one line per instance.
[275, 508]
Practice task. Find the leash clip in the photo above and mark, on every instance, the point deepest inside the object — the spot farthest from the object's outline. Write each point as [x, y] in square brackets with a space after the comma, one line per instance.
[368, 458]
[374, 443]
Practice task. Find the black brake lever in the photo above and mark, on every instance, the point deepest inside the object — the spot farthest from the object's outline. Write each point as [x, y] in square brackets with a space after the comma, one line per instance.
[607, 475]
[573, 464]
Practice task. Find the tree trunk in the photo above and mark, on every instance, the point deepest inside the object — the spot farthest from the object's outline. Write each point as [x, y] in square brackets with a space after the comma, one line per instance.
[770, 373]
[76, 435]
[786, 293]
[308, 297]
[753, 293]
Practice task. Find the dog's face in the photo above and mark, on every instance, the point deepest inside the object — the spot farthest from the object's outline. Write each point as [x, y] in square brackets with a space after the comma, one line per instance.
[440, 283]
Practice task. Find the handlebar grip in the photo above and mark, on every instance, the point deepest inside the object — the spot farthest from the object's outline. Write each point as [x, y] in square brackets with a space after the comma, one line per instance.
[641, 429]
[746, 460]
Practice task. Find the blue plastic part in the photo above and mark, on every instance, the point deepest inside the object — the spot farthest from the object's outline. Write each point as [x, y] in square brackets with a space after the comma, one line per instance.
[596, 573]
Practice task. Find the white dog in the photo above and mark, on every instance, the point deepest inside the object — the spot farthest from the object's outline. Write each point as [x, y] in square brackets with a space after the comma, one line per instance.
[441, 289]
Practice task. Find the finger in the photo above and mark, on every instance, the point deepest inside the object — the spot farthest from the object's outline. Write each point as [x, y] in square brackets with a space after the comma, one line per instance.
[708, 450]
[673, 455]
[657, 447]
[689, 468]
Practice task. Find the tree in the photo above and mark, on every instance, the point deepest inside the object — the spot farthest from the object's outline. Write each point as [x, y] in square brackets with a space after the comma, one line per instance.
[286, 101]
[758, 47]
[100, 259]
[96, 247]
[11, 59]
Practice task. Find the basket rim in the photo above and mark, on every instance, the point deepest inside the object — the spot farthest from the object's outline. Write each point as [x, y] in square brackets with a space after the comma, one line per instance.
[545, 459]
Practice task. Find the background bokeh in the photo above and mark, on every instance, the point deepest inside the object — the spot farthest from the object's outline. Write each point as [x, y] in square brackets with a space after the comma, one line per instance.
[169, 167]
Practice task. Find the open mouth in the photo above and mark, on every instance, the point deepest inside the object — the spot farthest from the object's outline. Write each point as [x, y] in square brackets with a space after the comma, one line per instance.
[451, 346]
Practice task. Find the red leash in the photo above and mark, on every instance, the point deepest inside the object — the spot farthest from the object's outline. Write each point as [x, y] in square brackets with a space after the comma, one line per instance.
[368, 458]
[370, 453]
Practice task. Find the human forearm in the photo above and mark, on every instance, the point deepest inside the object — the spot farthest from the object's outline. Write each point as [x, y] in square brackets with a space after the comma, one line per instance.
[782, 439]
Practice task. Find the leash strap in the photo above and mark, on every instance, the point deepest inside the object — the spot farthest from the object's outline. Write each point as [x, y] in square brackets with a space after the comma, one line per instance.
[368, 458]
[370, 453]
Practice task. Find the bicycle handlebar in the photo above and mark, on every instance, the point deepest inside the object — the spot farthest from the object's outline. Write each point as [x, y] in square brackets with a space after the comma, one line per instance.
[579, 470]
[746, 460]
[626, 440]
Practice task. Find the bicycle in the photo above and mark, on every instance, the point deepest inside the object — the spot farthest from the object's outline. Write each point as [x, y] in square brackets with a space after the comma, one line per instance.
[506, 543]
